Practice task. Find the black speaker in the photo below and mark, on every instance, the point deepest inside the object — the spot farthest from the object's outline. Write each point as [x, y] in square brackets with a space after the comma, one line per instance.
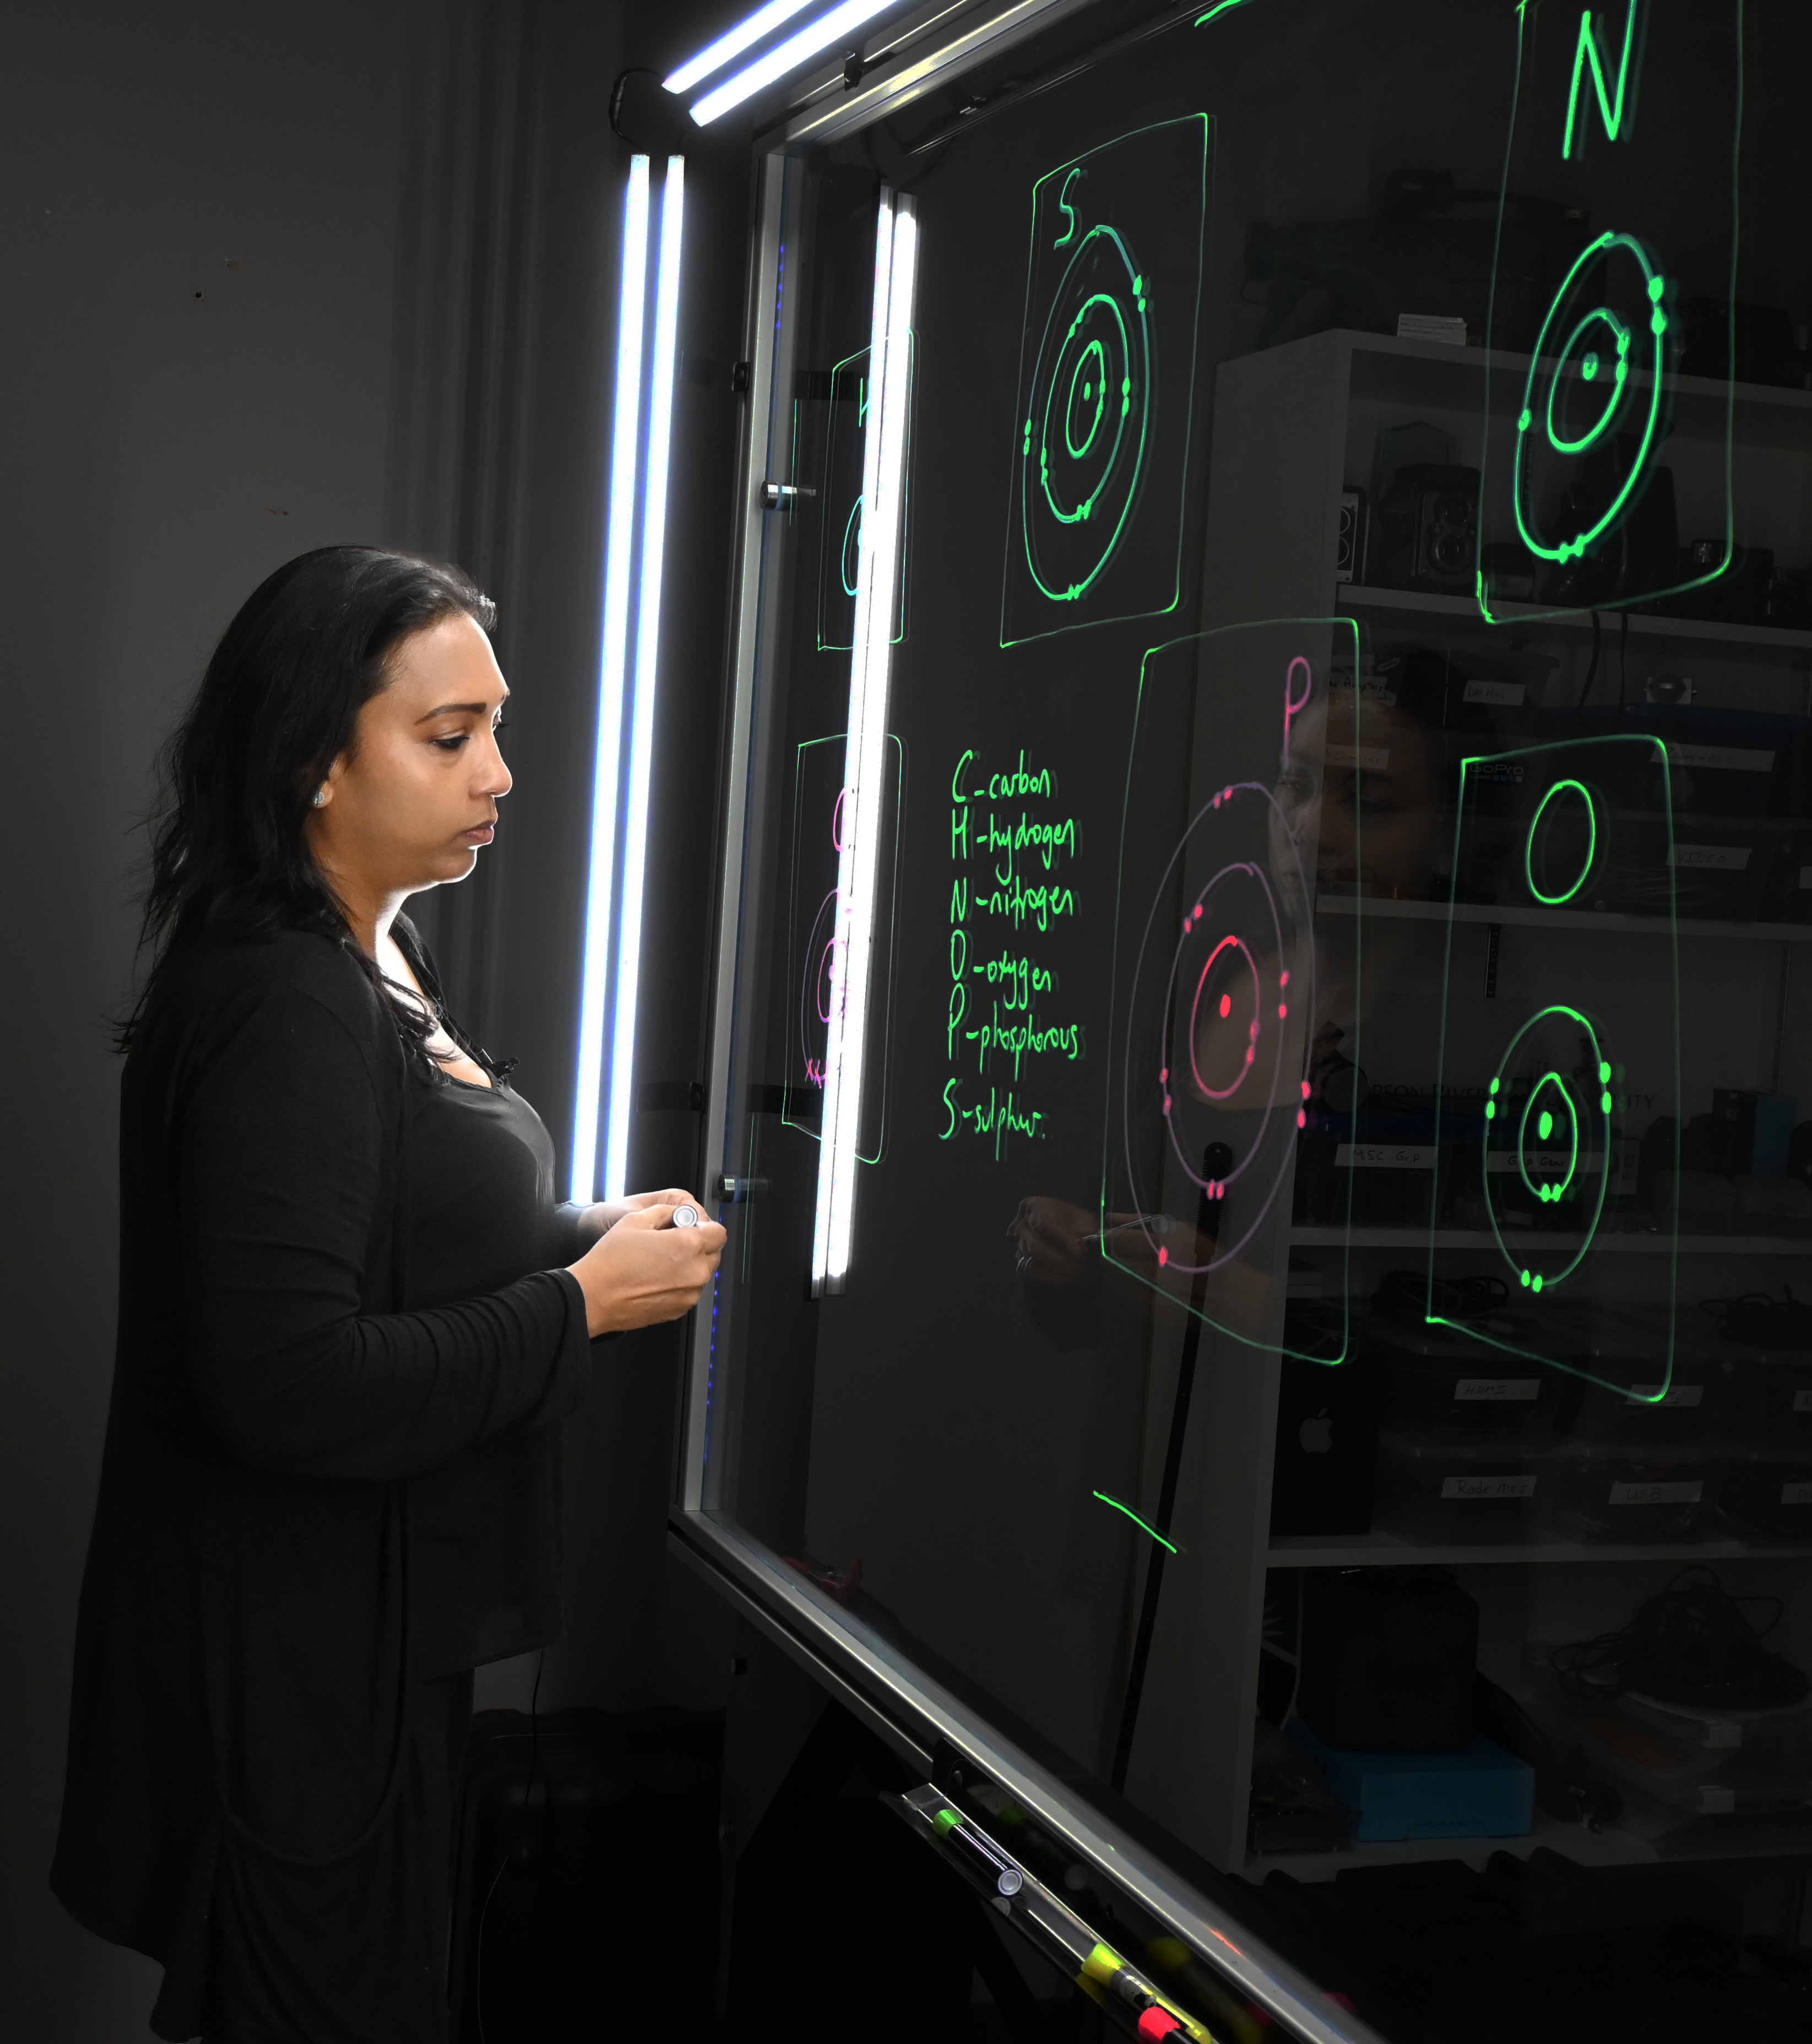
[1387, 1660]
[1349, 539]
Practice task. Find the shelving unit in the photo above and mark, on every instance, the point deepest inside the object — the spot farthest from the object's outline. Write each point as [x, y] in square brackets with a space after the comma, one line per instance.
[1369, 1550]
[1294, 426]
[1357, 599]
[1644, 1840]
[1593, 922]
[1608, 1239]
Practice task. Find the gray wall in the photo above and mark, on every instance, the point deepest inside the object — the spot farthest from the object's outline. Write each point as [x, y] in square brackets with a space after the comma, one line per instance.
[277, 276]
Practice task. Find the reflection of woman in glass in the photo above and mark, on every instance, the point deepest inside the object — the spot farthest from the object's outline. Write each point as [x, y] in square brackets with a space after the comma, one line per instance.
[1222, 1007]
[1358, 811]
[351, 1320]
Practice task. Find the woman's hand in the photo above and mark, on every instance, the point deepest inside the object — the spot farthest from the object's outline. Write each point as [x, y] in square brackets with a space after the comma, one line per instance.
[600, 1219]
[643, 1269]
[1052, 1242]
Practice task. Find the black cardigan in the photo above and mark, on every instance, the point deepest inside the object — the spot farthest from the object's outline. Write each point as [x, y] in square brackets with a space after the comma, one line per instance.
[241, 1645]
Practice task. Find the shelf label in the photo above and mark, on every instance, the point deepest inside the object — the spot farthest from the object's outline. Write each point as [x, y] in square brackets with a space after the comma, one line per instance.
[1715, 1800]
[1498, 1390]
[1711, 858]
[1731, 758]
[1796, 1494]
[1691, 1396]
[1385, 1156]
[1657, 1493]
[1487, 1486]
[1373, 759]
[1510, 694]
[1548, 1164]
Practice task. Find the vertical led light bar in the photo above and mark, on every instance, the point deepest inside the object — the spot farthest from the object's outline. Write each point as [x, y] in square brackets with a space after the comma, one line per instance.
[629, 651]
[619, 552]
[871, 659]
[627, 961]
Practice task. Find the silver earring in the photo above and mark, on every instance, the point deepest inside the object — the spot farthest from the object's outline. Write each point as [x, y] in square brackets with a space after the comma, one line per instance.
[321, 796]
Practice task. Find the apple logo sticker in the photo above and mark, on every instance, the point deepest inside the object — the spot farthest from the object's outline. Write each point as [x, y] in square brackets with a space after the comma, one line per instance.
[1317, 1434]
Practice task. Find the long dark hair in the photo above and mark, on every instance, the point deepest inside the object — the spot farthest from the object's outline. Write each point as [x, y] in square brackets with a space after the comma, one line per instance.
[277, 706]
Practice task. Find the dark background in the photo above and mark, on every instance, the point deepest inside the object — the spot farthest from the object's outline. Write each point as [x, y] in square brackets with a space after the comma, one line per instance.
[275, 277]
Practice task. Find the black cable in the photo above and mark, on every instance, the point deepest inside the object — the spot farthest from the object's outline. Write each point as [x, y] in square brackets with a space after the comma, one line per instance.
[1216, 1160]
[1760, 1320]
[1413, 1295]
[1591, 670]
[1691, 1645]
[477, 1991]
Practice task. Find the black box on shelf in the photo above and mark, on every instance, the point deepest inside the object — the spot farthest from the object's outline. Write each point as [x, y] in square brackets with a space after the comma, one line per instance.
[1438, 1379]
[1766, 1495]
[1387, 1657]
[1633, 1489]
[1726, 762]
[1747, 343]
[1387, 1163]
[1676, 1407]
[1444, 1487]
[1750, 1132]
[1327, 1440]
[1738, 596]
[1787, 888]
[1632, 1391]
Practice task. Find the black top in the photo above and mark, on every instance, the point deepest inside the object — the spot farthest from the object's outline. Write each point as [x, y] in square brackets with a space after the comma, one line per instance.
[330, 1460]
[478, 1210]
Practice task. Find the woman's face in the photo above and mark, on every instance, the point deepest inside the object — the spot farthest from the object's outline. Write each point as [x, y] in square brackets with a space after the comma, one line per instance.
[415, 795]
[1381, 814]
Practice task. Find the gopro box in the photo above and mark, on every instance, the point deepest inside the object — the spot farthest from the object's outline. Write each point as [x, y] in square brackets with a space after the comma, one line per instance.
[1484, 1792]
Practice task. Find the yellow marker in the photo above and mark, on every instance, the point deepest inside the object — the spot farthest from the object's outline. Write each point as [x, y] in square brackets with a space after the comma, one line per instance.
[1104, 1965]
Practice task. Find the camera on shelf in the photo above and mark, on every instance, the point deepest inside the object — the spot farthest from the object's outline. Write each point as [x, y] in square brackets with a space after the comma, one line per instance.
[1429, 525]
[1350, 537]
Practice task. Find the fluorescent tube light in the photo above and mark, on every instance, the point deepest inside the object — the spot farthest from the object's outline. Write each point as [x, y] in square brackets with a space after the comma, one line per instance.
[733, 42]
[627, 974]
[619, 546]
[871, 661]
[799, 48]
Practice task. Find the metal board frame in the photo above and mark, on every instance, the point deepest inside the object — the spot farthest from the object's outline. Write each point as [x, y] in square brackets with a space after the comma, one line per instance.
[902, 1704]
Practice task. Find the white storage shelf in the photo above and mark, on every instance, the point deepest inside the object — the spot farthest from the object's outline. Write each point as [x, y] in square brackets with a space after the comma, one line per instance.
[1674, 1839]
[1355, 1550]
[1352, 598]
[1293, 427]
[1595, 922]
[1608, 1240]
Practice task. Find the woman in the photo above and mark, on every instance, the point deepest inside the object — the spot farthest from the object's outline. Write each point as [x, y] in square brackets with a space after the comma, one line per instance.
[351, 1320]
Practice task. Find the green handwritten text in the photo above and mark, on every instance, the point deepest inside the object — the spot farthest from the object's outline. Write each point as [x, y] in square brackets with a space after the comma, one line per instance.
[998, 1118]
